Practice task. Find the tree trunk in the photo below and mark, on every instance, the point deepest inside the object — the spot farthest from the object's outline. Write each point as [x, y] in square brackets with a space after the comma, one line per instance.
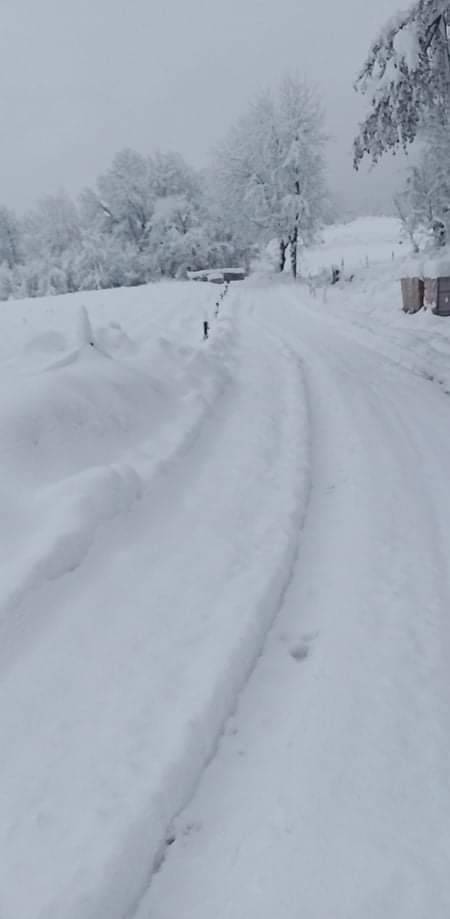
[439, 233]
[293, 251]
[282, 262]
[294, 235]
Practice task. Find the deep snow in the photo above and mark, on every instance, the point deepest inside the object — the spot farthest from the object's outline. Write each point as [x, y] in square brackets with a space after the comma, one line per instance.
[255, 526]
[330, 795]
[84, 430]
[157, 527]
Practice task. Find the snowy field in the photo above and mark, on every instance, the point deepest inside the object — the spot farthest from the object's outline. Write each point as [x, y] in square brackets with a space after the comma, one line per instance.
[225, 648]
[356, 245]
[373, 250]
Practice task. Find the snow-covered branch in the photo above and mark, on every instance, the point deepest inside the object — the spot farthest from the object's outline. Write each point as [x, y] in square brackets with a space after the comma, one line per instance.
[406, 77]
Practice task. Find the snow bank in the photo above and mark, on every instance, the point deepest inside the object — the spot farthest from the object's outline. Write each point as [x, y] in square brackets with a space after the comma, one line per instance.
[46, 343]
[141, 312]
[83, 436]
[150, 644]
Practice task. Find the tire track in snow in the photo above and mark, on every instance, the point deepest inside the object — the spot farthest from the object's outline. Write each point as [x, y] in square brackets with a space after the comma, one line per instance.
[138, 675]
[251, 646]
[330, 795]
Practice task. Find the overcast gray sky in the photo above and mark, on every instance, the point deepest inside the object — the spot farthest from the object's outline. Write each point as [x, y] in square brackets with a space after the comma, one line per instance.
[81, 79]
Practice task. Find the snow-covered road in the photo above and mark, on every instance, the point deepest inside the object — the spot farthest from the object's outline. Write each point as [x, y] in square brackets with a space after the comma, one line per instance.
[232, 552]
[329, 796]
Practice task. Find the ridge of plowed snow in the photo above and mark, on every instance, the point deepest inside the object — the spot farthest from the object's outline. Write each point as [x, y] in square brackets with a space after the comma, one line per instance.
[141, 652]
[84, 437]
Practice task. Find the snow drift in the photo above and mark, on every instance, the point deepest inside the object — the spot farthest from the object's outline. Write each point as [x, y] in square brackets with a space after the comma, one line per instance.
[155, 490]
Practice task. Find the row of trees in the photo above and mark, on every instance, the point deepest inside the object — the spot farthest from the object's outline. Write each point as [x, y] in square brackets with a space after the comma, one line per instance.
[154, 216]
[147, 217]
[407, 79]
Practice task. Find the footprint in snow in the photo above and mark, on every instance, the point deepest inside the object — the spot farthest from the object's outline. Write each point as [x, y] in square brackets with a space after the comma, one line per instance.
[299, 651]
[300, 648]
[194, 826]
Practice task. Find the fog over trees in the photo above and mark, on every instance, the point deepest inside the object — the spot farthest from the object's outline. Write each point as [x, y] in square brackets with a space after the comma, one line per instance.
[154, 216]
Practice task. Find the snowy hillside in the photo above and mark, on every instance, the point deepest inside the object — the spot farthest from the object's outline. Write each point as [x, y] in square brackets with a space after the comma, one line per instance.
[356, 245]
[373, 251]
[225, 648]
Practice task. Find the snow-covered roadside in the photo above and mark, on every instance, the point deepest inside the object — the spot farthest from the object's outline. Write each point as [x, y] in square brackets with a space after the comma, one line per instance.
[329, 795]
[49, 324]
[111, 711]
[86, 434]
[370, 306]
[370, 312]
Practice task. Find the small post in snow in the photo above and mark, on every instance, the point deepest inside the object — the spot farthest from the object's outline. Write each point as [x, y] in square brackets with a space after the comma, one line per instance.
[85, 333]
[205, 329]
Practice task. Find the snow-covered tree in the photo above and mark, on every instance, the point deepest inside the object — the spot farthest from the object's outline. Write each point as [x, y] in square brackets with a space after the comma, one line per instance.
[406, 77]
[407, 214]
[175, 236]
[52, 227]
[302, 171]
[122, 205]
[154, 216]
[268, 172]
[7, 286]
[425, 201]
[171, 176]
[245, 169]
[50, 237]
[10, 238]
[152, 206]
